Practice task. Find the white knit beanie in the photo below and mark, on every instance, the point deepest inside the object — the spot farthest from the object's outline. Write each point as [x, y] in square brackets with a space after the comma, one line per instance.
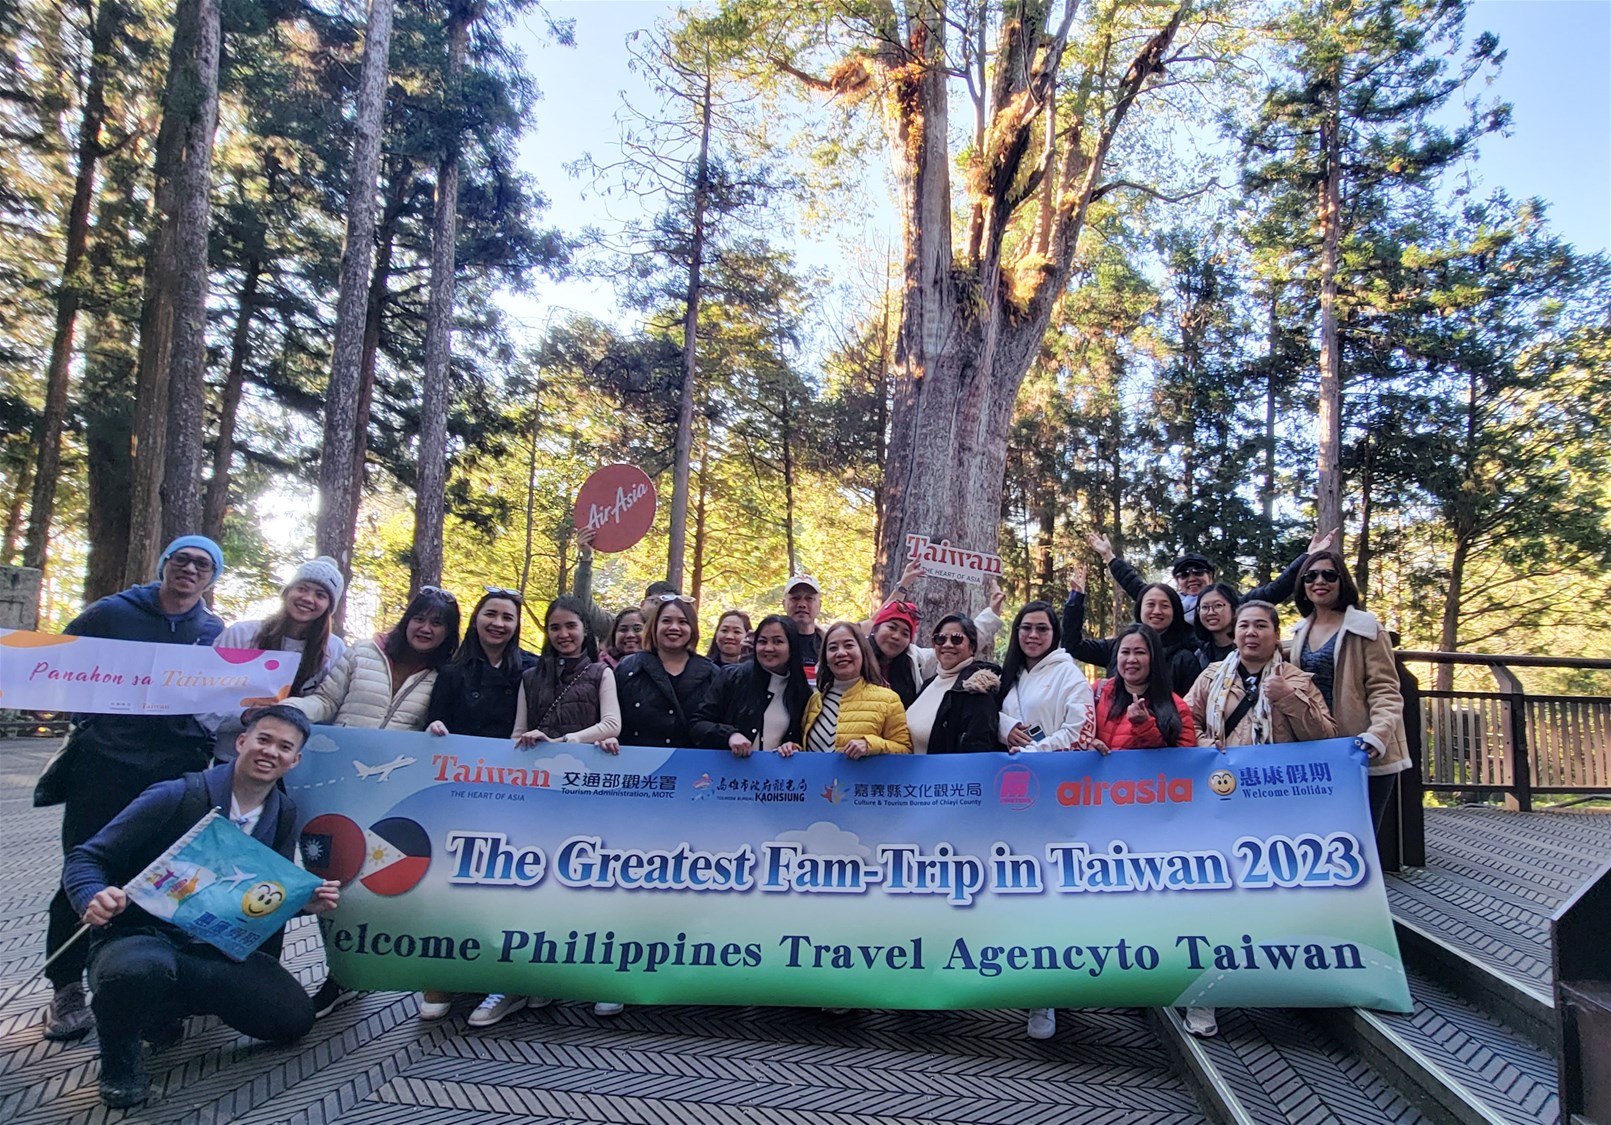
[324, 572]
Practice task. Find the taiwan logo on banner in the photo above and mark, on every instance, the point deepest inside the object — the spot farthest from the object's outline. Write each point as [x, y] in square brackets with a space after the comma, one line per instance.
[388, 858]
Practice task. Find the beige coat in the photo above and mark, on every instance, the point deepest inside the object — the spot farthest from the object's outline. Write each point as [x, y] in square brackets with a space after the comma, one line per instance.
[358, 693]
[1365, 699]
[1300, 717]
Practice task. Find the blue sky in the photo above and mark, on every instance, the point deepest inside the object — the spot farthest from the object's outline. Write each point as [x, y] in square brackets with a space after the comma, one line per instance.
[1557, 75]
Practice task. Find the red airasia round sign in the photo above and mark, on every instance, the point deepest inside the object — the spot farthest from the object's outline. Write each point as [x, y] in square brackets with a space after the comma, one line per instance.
[617, 502]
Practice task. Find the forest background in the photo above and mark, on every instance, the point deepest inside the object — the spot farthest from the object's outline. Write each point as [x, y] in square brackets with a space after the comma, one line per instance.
[718, 224]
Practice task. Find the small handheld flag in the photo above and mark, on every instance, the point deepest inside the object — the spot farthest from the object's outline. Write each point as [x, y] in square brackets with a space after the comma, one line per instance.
[218, 884]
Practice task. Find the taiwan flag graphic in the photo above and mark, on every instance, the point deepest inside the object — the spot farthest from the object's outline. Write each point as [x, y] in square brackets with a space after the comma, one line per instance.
[396, 856]
[333, 847]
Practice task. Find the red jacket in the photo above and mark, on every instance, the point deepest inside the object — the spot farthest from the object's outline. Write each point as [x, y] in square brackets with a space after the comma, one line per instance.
[1122, 734]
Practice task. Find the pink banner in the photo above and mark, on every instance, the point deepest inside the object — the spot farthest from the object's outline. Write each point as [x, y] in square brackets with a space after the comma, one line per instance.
[54, 672]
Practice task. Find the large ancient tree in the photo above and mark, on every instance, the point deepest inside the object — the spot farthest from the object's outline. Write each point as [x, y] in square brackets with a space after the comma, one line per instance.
[984, 260]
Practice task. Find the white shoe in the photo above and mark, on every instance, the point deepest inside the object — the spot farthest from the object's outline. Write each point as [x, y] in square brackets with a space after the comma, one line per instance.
[495, 1007]
[432, 1010]
[1201, 1022]
[1042, 1023]
[606, 1008]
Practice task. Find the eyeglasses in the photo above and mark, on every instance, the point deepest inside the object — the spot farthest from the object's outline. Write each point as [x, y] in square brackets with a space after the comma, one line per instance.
[448, 594]
[201, 564]
[505, 592]
[942, 639]
[667, 599]
[1193, 572]
[1310, 577]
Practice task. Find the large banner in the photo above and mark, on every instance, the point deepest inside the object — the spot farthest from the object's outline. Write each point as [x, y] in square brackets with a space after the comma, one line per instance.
[1152, 877]
[92, 675]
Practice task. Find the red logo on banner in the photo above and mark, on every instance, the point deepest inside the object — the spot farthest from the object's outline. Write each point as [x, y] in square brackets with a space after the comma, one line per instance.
[617, 502]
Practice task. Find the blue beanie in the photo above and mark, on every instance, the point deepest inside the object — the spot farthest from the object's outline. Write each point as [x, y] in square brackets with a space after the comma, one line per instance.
[200, 543]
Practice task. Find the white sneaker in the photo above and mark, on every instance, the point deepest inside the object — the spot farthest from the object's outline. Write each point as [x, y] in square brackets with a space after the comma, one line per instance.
[606, 1008]
[432, 1010]
[494, 1008]
[1042, 1023]
[1201, 1022]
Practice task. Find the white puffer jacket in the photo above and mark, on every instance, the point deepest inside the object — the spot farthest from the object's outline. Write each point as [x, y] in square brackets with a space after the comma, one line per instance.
[1055, 696]
[358, 693]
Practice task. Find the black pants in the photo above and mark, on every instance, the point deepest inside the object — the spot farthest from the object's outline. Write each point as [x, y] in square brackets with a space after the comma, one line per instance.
[1380, 787]
[145, 981]
[99, 790]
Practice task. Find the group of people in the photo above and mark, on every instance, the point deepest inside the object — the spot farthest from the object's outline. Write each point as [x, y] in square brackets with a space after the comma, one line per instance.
[1201, 664]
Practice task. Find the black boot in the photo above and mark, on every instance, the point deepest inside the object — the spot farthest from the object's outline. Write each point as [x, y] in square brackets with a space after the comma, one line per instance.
[123, 1081]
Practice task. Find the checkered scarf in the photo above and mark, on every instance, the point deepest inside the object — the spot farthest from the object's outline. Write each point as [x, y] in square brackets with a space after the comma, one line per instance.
[1219, 694]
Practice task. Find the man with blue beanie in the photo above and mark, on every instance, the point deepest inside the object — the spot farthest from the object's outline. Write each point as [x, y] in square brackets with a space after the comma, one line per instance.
[111, 759]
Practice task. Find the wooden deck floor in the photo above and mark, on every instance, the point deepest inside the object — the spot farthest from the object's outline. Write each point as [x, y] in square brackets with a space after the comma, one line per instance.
[372, 1061]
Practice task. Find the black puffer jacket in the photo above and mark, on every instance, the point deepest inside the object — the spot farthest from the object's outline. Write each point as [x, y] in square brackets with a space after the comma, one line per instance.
[657, 709]
[737, 702]
[478, 698]
[966, 720]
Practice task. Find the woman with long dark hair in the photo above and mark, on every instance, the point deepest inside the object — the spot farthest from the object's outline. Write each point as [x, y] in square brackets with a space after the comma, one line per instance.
[1157, 605]
[1045, 698]
[758, 704]
[300, 625]
[1349, 655]
[565, 696]
[626, 637]
[1135, 709]
[851, 712]
[727, 642]
[476, 692]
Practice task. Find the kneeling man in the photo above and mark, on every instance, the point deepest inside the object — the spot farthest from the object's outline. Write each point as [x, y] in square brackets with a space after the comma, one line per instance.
[146, 974]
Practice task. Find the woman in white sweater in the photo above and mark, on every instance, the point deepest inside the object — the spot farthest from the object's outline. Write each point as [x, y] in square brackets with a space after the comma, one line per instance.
[1046, 704]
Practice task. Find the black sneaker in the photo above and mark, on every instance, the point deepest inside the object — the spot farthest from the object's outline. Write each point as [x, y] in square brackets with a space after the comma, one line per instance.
[331, 995]
[68, 1016]
[123, 1080]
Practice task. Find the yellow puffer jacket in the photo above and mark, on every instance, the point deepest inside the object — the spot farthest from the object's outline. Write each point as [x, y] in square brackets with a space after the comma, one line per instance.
[868, 712]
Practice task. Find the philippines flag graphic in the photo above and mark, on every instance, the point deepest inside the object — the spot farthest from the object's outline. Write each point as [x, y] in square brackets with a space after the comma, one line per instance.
[397, 854]
[333, 847]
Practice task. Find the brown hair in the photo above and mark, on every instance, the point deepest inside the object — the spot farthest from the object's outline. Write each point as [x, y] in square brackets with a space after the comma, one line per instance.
[869, 659]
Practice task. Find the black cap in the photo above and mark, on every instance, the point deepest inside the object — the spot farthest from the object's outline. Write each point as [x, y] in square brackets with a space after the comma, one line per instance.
[1191, 560]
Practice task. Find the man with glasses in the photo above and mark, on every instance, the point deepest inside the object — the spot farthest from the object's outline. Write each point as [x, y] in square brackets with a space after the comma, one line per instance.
[111, 759]
[1194, 573]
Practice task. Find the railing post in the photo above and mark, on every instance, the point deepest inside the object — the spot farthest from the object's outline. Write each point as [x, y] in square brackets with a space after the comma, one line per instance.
[1519, 798]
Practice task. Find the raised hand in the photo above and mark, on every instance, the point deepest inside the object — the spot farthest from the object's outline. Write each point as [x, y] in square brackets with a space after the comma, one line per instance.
[1102, 545]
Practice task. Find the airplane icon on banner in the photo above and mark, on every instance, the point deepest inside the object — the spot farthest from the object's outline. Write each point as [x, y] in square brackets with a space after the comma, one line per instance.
[382, 772]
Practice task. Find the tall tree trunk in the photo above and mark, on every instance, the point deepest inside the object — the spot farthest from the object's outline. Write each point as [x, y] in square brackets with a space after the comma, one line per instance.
[531, 489]
[1362, 560]
[108, 441]
[173, 315]
[787, 428]
[14, 511]
[1328, 420]
[1267, 533]
[698, 582]
[48, 438]
[690, 350]
[341, 467]
[1449, 636]
[881, 423]
[430, 490]
[217, 503]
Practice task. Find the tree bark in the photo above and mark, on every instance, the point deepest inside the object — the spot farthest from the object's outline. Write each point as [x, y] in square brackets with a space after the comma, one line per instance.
[341, 468]
[108, 434]
[217, 503]
[173, 314]
[430, 490]
[1267, 532]
[48, 438]
[1362, 560]
[699, 524]
[690, 350]
[14, 511]
[787, 428]
[1449, 636]
[1328, 420]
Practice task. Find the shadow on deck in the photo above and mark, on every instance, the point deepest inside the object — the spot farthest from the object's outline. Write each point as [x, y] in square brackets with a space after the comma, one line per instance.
[1475, 922]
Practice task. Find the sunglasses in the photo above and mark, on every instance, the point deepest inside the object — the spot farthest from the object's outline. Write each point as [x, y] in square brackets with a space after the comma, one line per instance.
[1034, 628]
[1310, 577]
[1193, 572]
[941, 639]
[505, 592]
[448, 594]
[201, 564]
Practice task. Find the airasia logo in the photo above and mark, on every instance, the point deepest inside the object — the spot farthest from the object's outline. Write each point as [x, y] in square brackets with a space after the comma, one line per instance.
[1160, 790]
[617, 504]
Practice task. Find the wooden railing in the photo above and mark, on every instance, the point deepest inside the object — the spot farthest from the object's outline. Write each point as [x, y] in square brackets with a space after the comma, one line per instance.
[1511, 741]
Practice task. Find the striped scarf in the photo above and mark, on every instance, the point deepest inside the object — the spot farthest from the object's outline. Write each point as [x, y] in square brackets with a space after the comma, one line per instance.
[827, 724]
[1219, 692]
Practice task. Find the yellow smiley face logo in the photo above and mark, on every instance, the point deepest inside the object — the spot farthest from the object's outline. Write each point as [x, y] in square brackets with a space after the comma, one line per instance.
[1222, 782]
[262, 900]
